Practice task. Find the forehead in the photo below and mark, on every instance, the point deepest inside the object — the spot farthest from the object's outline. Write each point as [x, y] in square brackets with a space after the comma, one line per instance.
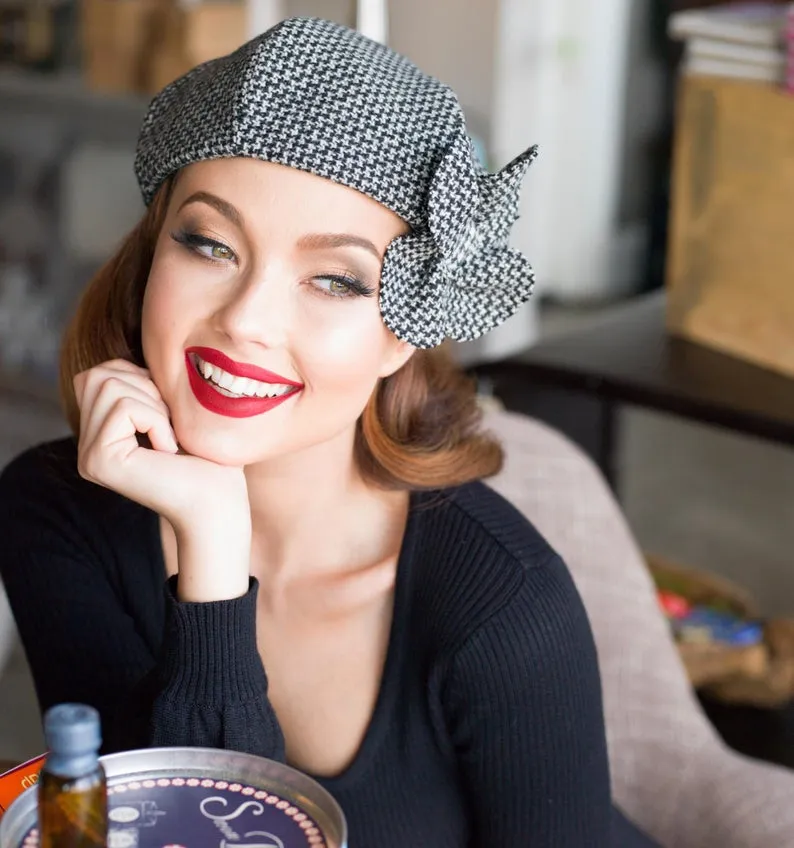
[265, 192]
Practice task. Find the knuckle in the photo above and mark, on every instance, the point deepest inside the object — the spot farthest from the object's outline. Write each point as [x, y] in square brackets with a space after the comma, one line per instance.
[86, 466]
[88, 379]
[125, 405]
[114, 383]
[111, 387]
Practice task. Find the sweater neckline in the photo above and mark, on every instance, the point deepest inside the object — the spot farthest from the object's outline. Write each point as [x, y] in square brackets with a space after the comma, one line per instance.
[388, 691]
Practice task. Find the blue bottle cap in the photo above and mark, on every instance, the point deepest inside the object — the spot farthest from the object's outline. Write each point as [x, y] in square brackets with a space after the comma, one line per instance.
[72, 730]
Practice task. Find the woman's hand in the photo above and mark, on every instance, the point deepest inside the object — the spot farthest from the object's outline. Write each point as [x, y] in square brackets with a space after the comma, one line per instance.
[118, 401]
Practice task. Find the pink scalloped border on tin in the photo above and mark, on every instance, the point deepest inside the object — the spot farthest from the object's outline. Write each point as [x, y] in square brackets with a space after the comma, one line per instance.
[314, 836]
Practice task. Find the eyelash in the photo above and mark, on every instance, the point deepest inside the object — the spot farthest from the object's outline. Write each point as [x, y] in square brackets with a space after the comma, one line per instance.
[193, 241]
[356, 287]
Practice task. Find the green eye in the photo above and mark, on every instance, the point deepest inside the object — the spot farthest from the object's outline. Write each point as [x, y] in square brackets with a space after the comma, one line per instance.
[338, 286]
[220, 251]
[203, 246]
[333, 286]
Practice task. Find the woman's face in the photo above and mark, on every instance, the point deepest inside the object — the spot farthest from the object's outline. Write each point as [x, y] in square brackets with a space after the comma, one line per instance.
[261, 325]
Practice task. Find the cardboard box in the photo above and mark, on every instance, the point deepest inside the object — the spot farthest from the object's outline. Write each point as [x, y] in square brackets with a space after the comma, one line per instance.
[730, 270]
[13, 783]
[139, 46]
[115, 36]
[191, 34]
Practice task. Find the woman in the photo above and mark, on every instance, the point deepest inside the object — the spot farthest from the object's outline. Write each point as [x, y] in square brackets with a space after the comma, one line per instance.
[262, 427]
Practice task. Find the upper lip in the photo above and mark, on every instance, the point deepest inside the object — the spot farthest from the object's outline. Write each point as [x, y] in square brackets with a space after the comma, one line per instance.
[240, 369]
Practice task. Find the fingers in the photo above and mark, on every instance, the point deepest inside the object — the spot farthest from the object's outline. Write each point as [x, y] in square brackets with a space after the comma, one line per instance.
[118, 401]
[106, 396]
[113, 440]
[87, 383]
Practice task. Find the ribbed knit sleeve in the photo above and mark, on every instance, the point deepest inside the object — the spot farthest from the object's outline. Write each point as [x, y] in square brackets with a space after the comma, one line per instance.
[213, 685]
[523, 707]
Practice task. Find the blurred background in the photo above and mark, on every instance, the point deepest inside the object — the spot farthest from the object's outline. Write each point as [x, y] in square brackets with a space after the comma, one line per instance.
[661, 338]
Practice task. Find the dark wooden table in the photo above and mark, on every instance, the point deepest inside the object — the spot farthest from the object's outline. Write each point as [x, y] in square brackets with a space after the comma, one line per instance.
[625, 356]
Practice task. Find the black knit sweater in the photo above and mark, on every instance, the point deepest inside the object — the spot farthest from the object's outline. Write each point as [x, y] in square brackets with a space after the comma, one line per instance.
[488, 728]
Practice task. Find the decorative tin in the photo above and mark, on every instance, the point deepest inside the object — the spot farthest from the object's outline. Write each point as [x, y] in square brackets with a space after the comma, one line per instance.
[182, 797]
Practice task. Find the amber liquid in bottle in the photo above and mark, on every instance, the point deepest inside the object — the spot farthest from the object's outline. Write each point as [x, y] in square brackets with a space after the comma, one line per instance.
[73, 812]
[73, 809]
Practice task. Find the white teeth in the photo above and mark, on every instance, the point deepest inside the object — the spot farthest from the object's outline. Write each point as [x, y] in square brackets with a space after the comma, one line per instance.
[223, 379]
[240, 386]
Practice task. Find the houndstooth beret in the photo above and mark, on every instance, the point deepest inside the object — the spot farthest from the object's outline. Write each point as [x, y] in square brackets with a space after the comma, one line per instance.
[318, 96]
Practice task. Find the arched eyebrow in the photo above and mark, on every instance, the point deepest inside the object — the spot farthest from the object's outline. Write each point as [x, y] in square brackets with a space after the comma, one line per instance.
[323, 241]
[223, 206]
[312, 241]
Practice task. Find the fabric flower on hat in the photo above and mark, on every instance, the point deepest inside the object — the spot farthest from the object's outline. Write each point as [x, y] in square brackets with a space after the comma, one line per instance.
[457, 277]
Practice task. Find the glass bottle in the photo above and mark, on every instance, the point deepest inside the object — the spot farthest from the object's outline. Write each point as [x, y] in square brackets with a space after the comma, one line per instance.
[73, 810]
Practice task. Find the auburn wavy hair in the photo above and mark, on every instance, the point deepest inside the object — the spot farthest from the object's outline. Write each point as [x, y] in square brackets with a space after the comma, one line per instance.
[419, 430]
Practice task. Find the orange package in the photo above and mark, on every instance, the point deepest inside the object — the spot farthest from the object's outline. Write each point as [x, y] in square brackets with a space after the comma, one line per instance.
[13, 783]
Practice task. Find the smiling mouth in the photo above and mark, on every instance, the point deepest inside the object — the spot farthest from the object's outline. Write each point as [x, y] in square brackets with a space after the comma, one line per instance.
[238, 388]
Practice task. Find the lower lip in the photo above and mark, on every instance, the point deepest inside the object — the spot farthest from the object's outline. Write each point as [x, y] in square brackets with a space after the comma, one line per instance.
[214, 401]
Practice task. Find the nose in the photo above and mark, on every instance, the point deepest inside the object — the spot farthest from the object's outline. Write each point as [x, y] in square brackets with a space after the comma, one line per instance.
[258, 310]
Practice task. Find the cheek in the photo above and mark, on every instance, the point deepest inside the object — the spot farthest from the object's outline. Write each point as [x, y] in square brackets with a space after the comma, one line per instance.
[155, 319]
[165, 312]
[345, 358]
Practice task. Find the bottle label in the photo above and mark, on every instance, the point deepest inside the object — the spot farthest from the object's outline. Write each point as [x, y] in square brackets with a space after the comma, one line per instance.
[13, 783]
[184, 811]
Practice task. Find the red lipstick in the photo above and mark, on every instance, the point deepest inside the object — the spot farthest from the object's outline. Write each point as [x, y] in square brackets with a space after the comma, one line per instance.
[233, 407]
[240, 369]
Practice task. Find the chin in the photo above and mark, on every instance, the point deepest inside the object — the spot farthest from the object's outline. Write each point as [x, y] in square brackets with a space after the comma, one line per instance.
[221, 449]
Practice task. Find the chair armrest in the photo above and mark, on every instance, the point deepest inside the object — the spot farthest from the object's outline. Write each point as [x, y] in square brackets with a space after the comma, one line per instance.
[671, 773]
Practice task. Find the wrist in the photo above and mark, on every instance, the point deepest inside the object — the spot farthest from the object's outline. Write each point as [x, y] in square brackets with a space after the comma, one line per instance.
[213, 562]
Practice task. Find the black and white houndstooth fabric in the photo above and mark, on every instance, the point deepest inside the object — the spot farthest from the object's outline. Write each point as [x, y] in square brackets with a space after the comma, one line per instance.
[318, 96]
